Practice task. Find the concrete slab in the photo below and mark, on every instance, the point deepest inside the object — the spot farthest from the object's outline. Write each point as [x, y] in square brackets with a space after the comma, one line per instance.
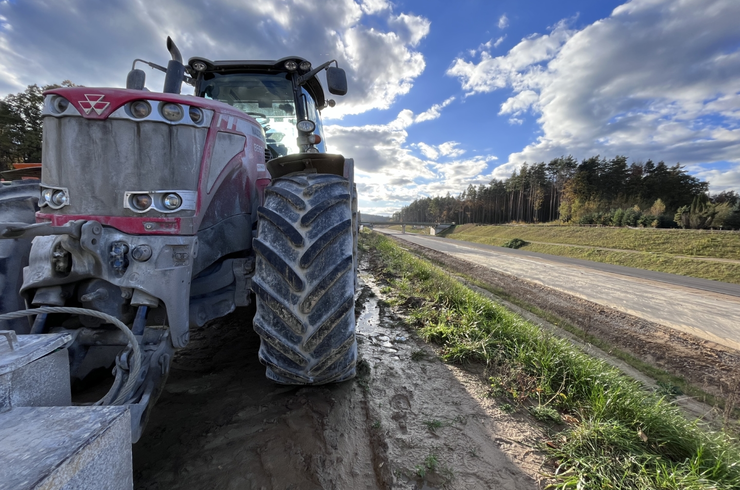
[34, 371]
[65, 448]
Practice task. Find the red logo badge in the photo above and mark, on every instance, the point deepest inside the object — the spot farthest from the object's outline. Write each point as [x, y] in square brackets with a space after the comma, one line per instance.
[94, 102]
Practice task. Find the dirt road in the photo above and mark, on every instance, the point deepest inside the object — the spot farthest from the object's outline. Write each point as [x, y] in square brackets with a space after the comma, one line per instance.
[704, 314]
[408, 421]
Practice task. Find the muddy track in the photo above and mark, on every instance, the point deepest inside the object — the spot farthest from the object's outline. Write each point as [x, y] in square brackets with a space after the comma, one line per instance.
[712, 367]
[408, 421]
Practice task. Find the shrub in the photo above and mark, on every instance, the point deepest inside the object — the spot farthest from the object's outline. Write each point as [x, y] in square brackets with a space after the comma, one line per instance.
[630, 217]
[646, 220]
[618, 217]
[515, 243]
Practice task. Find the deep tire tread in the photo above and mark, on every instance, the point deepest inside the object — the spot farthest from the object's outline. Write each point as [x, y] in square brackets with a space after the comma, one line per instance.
[280, 266]
[308, 333]
[282, 224]
[294, 200]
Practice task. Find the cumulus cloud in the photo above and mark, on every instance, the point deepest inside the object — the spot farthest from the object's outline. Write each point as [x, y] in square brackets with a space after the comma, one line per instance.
[503, 22]
[94, 43]
[390, 175]
[448, 149]
[519, 68]
[656, 79]
[433, 112]
[718, 180]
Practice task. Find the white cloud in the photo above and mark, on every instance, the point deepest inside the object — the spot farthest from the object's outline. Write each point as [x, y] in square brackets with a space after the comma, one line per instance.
[388, 173]
[428, 151]
[499, 41]
[374, 6]
[503, 22]
[519, 68]
[449, 149]
[46, 44]
[433, 112]
[656, 79]
[719, 180]
[519, 103]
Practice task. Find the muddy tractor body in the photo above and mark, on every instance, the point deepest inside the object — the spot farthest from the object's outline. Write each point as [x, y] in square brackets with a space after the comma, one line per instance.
[158, 212]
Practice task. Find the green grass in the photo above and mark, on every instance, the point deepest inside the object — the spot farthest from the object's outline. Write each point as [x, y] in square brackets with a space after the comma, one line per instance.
[699, 243]
[619, 435]
[657, 250]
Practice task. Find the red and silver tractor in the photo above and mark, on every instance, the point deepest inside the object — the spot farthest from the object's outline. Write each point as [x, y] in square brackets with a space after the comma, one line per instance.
[157, 212]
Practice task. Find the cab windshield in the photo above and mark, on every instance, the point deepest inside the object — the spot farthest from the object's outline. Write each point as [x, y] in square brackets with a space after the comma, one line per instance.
[267, 98]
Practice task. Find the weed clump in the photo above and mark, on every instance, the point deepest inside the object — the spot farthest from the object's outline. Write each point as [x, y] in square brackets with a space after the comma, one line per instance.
[515, 243]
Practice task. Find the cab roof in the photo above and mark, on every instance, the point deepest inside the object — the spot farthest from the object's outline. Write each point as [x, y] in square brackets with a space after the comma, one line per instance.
[259, 66]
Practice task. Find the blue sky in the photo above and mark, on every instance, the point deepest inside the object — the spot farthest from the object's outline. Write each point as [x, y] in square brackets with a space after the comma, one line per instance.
[442, 94]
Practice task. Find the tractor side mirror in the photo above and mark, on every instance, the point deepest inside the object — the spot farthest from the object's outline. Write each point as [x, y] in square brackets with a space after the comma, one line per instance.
[336, 80]
[136, 79]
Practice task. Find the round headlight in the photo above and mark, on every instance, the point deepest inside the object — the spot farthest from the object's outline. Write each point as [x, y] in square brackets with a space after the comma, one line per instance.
[199, 66]
[172, 201]
[291, 65]
[140, 109]
[306, 126]
[305, 66]
[46, 195]
[196, 115]
[171, 112]
[59, 104]
[59, 198]
[141, 202]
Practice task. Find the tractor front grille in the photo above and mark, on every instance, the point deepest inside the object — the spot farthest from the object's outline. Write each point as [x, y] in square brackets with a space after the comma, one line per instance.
[99, 160]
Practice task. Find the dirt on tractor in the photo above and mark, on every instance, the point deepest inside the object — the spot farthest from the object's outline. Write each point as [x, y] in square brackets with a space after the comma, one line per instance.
[408, 421]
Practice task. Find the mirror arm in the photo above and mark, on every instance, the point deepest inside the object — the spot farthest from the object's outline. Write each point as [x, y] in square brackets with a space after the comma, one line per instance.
[304, 78]
[153, 65]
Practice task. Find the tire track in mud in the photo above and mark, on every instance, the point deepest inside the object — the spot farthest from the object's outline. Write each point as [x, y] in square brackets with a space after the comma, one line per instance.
[408, 421]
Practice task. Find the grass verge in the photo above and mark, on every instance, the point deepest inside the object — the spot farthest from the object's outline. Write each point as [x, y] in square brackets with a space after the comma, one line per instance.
[655, 250]
[612, 434]
[699, 243]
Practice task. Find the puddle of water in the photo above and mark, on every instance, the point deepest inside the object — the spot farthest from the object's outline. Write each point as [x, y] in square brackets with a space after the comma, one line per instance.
[368, 324]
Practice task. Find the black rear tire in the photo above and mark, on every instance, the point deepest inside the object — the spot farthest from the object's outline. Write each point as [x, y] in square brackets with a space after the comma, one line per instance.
[18, 204]
[305, 280]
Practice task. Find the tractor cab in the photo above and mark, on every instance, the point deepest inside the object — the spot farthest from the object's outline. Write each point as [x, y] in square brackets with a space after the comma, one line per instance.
[284, 96]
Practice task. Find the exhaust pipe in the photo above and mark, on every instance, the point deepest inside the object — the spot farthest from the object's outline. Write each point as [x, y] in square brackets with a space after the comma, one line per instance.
[175, 70]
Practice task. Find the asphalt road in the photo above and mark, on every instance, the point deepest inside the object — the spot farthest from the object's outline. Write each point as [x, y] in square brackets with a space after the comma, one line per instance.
[707, 309]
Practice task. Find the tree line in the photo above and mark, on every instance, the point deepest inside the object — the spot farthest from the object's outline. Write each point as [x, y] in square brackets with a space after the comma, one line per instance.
[594, 191]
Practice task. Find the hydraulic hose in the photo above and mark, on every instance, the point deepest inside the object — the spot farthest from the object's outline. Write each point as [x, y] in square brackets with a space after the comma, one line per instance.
[133, 376]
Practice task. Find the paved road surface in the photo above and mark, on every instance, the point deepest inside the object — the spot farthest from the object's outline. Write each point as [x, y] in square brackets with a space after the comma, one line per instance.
[707, 309]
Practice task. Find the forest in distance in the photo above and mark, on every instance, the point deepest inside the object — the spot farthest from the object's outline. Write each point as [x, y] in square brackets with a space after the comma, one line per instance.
[595, 191]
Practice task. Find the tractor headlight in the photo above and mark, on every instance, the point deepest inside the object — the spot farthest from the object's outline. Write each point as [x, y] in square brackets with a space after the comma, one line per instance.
[305, 66]
[199, 66]
[196, 115]
[59, 104]
[172, 201]
[140, 109]
[291, 65]
[59, 198]
[141, 202]
[46, 195]
[306, 126]
[171, 112]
